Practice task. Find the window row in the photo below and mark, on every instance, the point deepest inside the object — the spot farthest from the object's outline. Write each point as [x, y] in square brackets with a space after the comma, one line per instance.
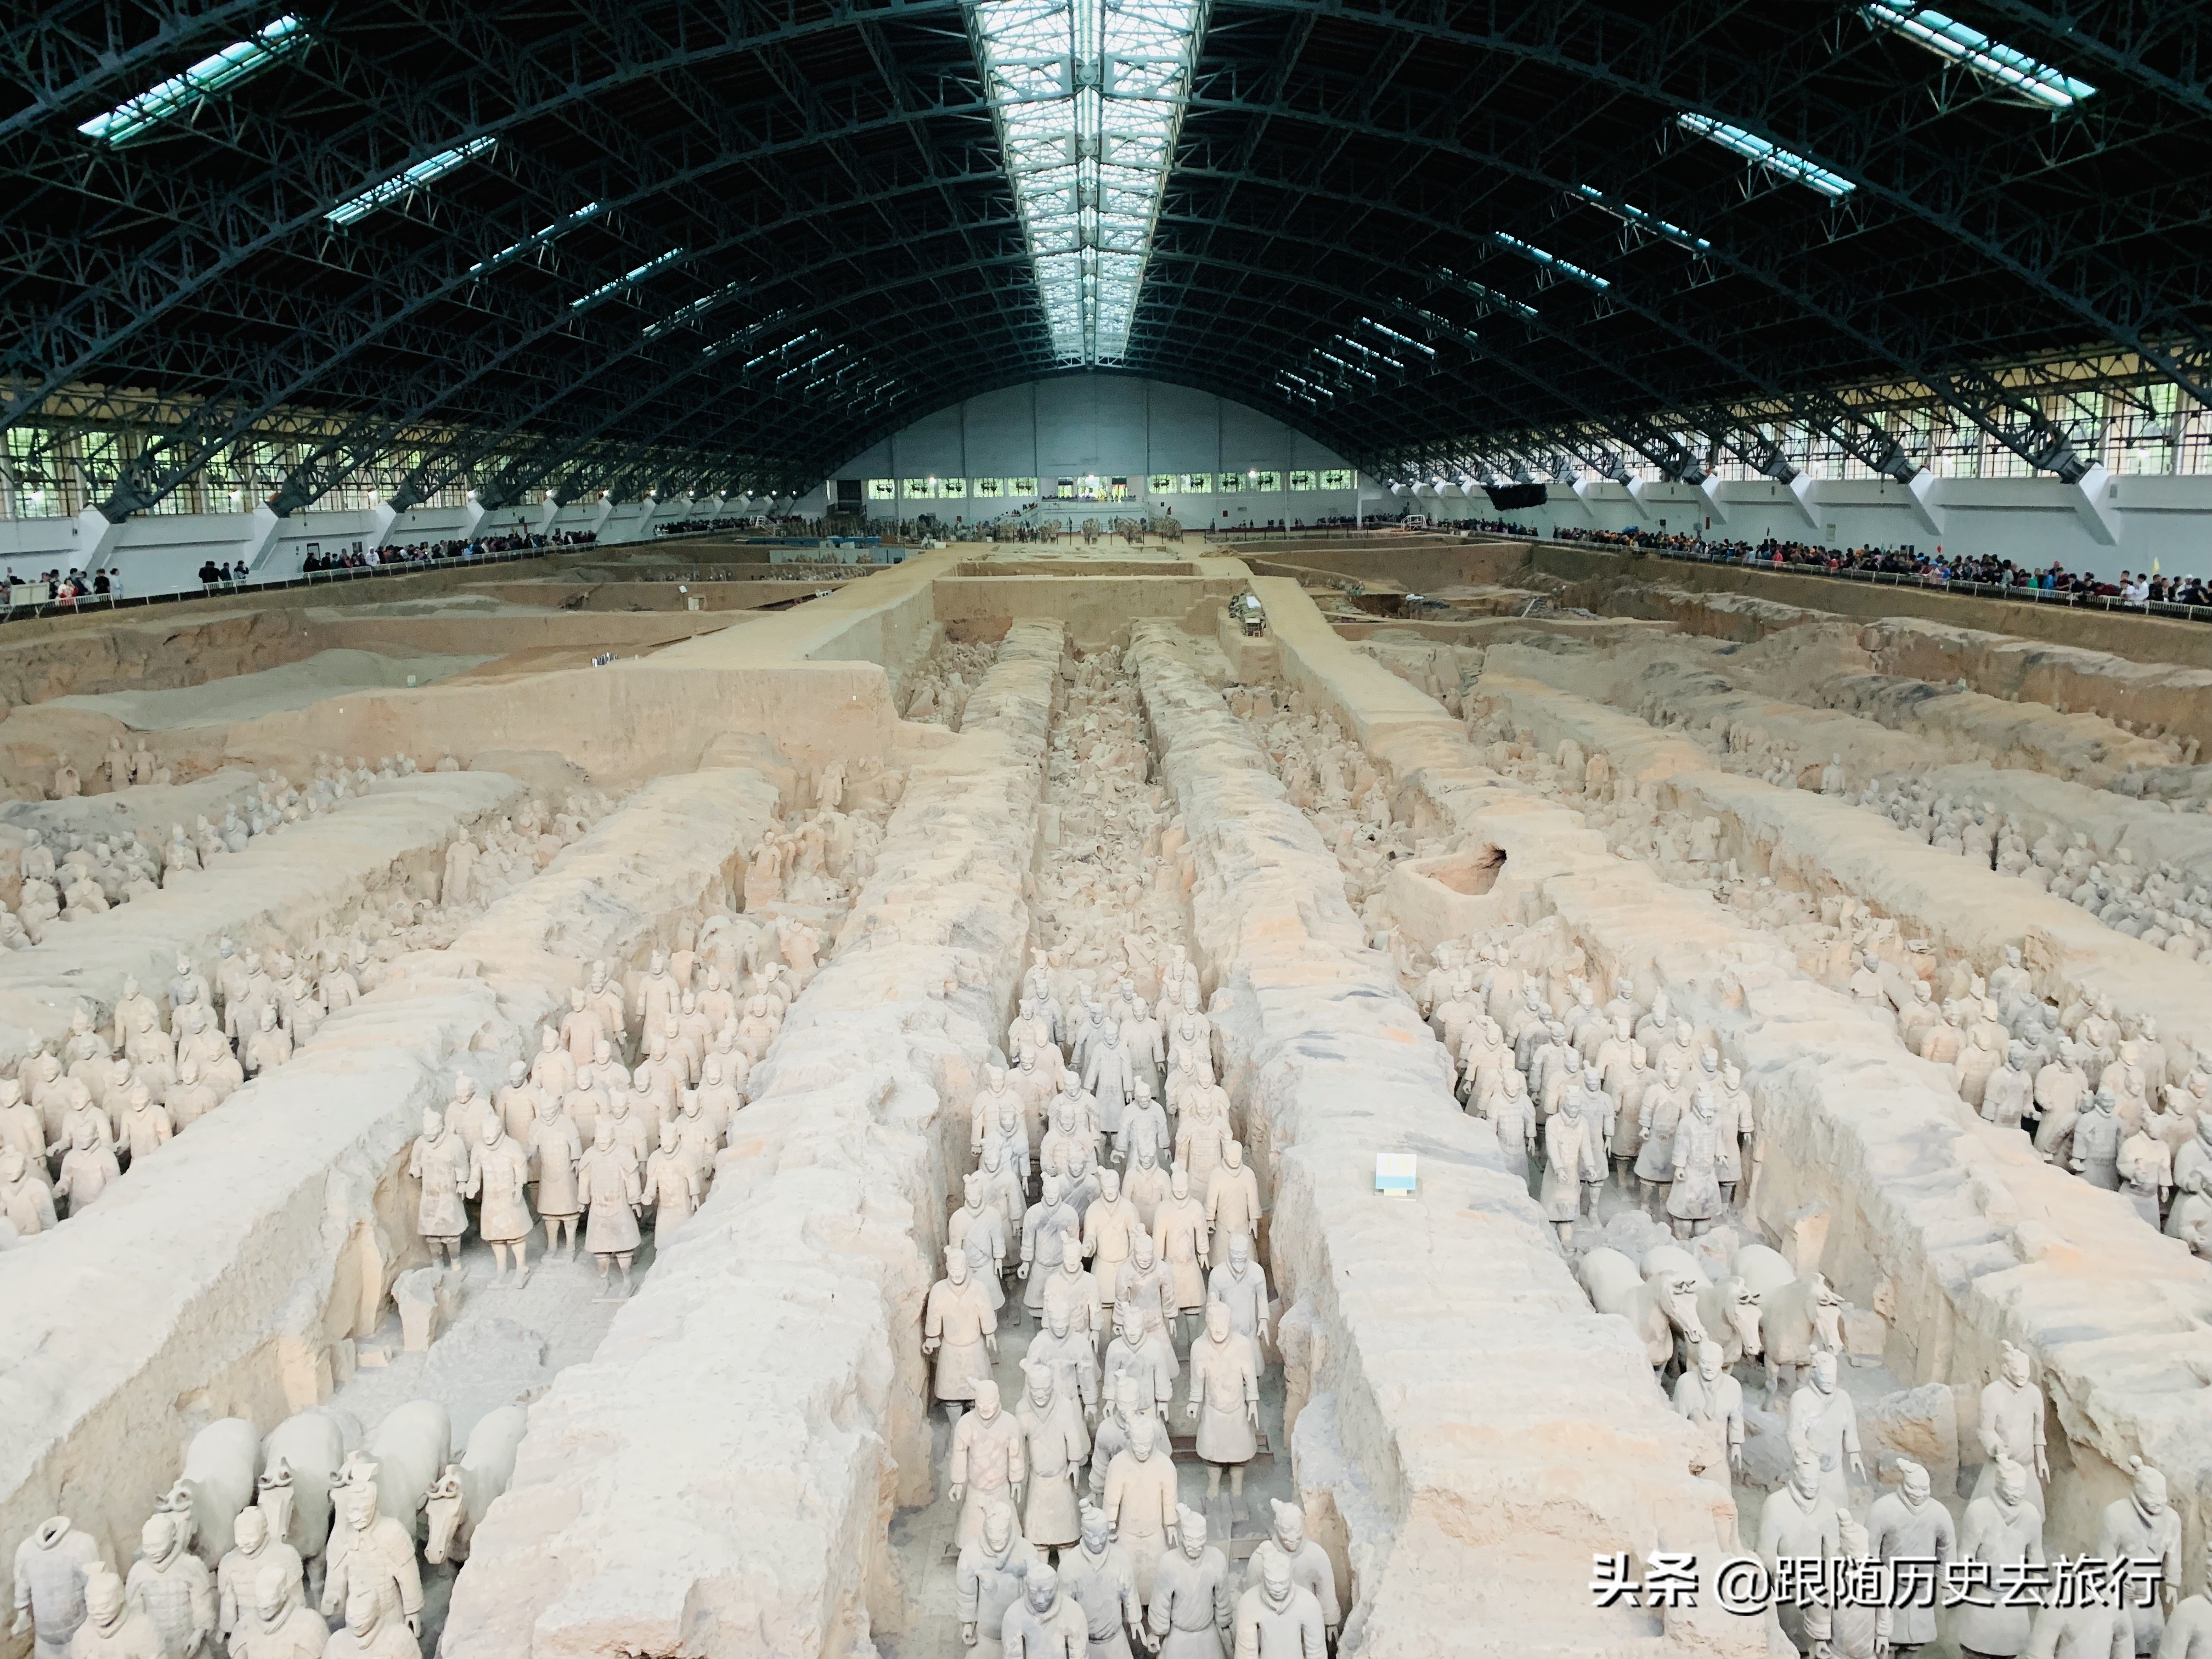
[1092, 488]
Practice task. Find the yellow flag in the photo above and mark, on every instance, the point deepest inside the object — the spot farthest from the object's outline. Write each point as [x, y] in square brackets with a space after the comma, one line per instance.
[2154, 566]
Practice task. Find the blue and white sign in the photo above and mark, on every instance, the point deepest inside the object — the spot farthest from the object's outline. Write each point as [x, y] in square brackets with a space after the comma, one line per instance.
[1394, 1174]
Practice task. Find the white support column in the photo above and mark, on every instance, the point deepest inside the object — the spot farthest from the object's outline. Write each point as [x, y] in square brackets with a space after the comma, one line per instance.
[381, 517]
[1800, 491]
[547, 513]
[2092, 507]
[1710, 488]
[263, 526]
[601, 512]
[472, 515]
[97, 536]
[1925, 490]
[1638, 490]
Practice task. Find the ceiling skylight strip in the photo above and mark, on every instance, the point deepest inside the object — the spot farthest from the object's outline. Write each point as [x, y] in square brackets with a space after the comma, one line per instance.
[1565, 268]
[628, 279]
[403, 184]
[1766, 153]
[692, 312]
[1405, 339]
[1490, 297]
[1641, 221]
[204, 79]
[1087, 97]
[2013, 70]
[538, 239]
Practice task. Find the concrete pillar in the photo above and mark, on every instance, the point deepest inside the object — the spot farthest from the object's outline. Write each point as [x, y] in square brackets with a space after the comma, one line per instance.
[262, 528]
[2091, 503]
[381, 517]
[97, 536]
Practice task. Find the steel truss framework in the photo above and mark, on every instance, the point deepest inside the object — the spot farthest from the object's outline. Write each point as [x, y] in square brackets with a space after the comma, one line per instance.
[802, 236]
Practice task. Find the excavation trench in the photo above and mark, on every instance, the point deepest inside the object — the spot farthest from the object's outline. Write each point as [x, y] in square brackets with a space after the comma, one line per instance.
[246, 1270]
[1470, 1430]
[721, 1475]
[1873, 1171]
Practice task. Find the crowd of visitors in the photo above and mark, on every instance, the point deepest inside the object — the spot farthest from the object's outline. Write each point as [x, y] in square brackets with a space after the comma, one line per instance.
[73, 587]
[1909, 564]
[69, 588]
[475, 547]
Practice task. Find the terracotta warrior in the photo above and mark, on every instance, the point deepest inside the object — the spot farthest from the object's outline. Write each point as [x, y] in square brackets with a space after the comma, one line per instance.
[52, 1567]
[440, 1161]
[609, 1188]
[1909, 1524]
[989, 1580]
[498, 1175]
[373, 1628]
[1800, 1520]
[1054, 1440]
[1045, 1622]
[1191, 1600]
[171, 1586]
[2005, 1530]
[254, 1553]
[1277, 1619]
[1183, 1241]
[111, 1627]
[960, 1333]
[555, 1149]
[1694, 1201]
[1096, 1576]
[2142, 1526]
[671, 1185]
[27, 1202]
[1140, 1500]
[1306, 1562]
[276, 1623]
[1225, 1402]
[988, 1467]
[371, 1552]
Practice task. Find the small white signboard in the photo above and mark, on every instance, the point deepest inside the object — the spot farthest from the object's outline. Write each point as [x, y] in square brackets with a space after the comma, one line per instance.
[1394, 1174]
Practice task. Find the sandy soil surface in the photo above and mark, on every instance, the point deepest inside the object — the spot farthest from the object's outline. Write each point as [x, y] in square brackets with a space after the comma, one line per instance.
[247, 696]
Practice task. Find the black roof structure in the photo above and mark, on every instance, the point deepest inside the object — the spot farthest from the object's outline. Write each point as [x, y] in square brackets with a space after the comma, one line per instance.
[727, 244]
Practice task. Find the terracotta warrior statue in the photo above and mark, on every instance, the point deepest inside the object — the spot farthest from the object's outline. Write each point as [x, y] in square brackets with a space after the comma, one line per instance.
[440, 1161]
[498, 1175]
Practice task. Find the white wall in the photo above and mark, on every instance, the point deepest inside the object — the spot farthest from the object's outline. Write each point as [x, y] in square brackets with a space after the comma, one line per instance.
[2031, 521]
[1070, 426]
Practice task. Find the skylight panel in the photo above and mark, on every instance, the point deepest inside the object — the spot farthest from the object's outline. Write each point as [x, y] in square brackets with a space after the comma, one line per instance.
[1947, 37]
[1088, 96]
[750, 332]
[538, 239]
[1490, 297]
[684, 315]
[204, 79]
[1551, 262]
[630, 278]
[1766, 153]
[1641, 221]
[403, 184]
[1393, 334]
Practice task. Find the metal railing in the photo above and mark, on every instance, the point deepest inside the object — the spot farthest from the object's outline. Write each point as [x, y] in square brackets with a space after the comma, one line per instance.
[2107, 602]
[29, 601]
